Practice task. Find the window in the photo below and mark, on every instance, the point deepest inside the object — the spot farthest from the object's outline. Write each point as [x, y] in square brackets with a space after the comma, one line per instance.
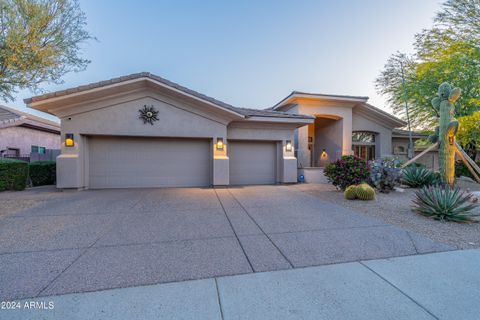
[363, 145]
[367, 153]
[12, 152]
[37, 149]
[363, 137]
[399, 149]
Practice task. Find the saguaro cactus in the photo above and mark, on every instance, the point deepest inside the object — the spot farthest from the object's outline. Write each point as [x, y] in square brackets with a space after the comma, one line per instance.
[444, 104]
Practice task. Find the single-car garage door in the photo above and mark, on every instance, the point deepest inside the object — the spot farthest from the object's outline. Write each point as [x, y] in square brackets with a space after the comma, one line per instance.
[125, 162]
[252, 162]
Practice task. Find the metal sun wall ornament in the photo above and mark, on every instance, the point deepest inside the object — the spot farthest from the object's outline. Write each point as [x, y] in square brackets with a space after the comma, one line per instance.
[148, 114]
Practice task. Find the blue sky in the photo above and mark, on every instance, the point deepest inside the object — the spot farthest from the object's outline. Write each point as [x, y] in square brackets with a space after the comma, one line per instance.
[250, 53]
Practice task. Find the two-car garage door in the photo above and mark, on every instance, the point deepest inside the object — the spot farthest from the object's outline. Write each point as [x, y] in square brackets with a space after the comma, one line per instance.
[129, 162]
[125, 162]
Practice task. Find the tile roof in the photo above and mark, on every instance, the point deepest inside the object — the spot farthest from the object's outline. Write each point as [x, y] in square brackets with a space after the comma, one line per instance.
[8, 115]
[331, 95]
[243, 111]
[405, 133]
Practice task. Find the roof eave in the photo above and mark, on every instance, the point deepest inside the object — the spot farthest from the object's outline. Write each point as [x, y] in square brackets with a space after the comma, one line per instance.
[293, 120]
[326, 97]
[41, 104]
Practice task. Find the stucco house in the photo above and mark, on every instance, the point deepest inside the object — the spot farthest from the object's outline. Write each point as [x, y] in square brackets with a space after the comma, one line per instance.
[22, 134]
[144, 131]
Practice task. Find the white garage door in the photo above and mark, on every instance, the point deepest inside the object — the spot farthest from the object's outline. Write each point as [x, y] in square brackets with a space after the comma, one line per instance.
[124, 162]
[252, 162]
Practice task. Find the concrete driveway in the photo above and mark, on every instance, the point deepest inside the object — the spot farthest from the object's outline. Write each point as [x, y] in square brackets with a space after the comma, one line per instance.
[100, 239]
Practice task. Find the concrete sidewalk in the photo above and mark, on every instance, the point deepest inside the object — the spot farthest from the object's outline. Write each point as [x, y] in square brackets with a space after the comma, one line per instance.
[432, 286]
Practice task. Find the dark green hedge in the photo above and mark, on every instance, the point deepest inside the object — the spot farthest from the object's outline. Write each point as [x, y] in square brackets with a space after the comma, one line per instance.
[13, 174]
[42, 172]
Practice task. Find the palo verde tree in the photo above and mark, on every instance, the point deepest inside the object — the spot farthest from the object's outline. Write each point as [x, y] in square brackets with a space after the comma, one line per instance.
[468, 134]
[449, 51]
[40, 41]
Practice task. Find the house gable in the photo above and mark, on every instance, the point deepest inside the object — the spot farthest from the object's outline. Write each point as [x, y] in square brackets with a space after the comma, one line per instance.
[120, 116]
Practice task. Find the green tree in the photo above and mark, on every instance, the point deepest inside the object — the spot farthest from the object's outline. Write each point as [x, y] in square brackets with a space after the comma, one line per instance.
[39, 42]
[449, 51]
[468, 134]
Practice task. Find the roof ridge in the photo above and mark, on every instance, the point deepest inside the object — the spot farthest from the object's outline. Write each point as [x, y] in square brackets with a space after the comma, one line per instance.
[94, 85]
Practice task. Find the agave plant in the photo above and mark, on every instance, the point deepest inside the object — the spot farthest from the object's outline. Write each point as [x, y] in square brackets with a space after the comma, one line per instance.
[417, 177]
[445, 203]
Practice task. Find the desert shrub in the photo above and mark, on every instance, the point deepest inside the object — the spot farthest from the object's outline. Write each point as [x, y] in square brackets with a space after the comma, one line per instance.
[444, 203]
[385, 174]
[347, 171]
[42, 172]
[417, 177]
[13, 174]
[462, 170]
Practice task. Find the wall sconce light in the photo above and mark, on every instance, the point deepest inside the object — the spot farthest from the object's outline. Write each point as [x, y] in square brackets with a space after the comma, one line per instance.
[69, 142]
[219, 143]
[324, 153]
[288, 146]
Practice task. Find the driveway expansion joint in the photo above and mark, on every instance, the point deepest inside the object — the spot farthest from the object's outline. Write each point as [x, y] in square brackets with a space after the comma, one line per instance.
[260, 228]
[413, 242]
[73, 262]
[235, 233]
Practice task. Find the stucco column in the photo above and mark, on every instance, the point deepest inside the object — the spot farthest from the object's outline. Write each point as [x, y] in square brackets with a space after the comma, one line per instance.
[70, 164]
[221, 165]
[303, 152]
[289, 163]
[347, 134]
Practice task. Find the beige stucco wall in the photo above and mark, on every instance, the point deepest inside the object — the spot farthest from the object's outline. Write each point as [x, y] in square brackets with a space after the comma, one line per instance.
[23, 139]
[383, 135]
[329, 138]
[342, 112]
[177, 118]
[337, 120]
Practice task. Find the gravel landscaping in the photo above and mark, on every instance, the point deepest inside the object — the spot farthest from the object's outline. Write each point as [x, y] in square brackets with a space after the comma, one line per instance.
[395, 208]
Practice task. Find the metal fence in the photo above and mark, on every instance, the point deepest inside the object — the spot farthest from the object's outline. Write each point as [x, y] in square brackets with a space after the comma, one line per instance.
[49, 155]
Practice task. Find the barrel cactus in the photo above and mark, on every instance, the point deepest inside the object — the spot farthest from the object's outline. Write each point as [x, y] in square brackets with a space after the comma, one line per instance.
[365, 192]
[351, 192]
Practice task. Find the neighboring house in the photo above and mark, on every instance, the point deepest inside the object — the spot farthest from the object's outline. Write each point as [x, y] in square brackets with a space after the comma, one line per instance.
[144, 131]
[400, 140]
[23, 134]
